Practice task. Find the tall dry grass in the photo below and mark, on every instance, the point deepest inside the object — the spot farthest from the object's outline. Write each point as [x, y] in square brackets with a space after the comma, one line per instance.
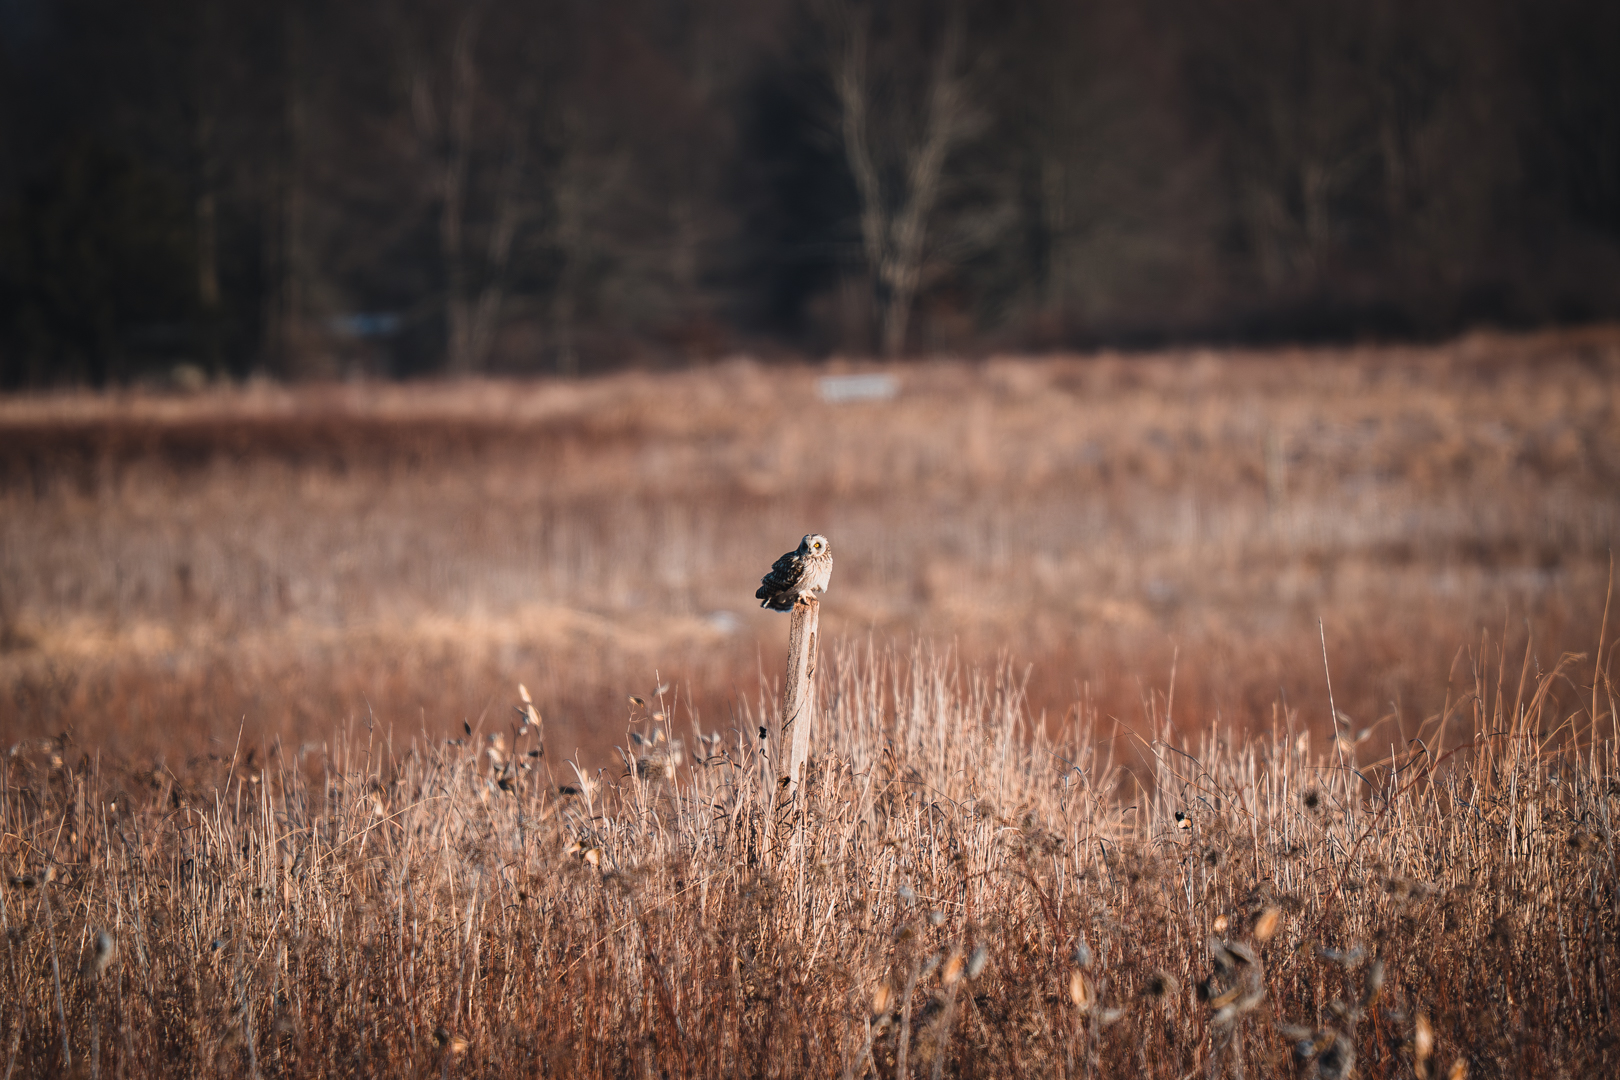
[960, 891]
[289, 557]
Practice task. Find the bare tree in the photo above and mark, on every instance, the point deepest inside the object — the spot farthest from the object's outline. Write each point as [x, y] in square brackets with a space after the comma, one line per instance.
[898, 198]
[205, 127]
[287, 344]
[444, 116]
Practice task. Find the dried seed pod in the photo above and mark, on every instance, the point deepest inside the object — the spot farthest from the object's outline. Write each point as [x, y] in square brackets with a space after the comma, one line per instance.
[954, 968]
[1081, 992]
[1160, 984]
[1422, 1040]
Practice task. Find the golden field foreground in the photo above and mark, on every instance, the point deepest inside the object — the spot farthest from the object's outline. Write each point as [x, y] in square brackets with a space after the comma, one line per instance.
[1079, 802]
[953, 893]
[176, 570]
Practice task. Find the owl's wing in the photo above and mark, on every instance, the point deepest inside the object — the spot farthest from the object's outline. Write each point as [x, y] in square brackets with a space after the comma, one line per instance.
[785, 574]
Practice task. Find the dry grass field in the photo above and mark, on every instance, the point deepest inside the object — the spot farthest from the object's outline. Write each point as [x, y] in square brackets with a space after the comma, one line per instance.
[955, 893]
[280, 561]
[1080, 804]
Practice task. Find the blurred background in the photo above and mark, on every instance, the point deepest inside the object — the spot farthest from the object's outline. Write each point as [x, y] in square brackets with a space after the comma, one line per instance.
[364, 360]
[405, 187]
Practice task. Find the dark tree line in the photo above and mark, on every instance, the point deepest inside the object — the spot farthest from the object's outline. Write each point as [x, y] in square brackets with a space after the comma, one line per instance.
[412, 186]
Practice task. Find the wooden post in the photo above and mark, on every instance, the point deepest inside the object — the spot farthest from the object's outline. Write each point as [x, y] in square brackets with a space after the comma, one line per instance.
[799, 695]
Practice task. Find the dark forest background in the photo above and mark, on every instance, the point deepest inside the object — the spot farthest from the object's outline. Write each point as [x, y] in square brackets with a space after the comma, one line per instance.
[399, 187]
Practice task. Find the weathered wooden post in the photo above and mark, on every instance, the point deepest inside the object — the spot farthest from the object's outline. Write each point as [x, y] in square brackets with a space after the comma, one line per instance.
[799, 695]
[794, 584]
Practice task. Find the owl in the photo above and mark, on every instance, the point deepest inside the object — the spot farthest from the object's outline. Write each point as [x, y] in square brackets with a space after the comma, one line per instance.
[798, 575]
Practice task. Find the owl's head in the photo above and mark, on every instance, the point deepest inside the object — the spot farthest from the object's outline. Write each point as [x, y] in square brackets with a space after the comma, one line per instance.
[815, 544]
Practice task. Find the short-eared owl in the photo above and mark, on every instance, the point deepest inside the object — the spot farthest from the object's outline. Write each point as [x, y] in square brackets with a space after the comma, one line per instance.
[798, 575]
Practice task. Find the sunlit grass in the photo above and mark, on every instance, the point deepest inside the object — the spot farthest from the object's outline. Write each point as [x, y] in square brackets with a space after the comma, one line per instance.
[294, 557]
[958, 893]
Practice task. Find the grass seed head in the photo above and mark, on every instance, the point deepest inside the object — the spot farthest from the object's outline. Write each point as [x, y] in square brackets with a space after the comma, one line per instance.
[1345, 958]
[976, 962]
[103, 950]
[1372, 982]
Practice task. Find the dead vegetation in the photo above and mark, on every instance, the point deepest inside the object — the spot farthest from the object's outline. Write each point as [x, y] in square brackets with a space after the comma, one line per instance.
[957, 894]
[291, 558]
[236, 629]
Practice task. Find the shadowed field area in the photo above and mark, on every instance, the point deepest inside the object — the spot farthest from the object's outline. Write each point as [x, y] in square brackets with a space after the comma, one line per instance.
[176, 569]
